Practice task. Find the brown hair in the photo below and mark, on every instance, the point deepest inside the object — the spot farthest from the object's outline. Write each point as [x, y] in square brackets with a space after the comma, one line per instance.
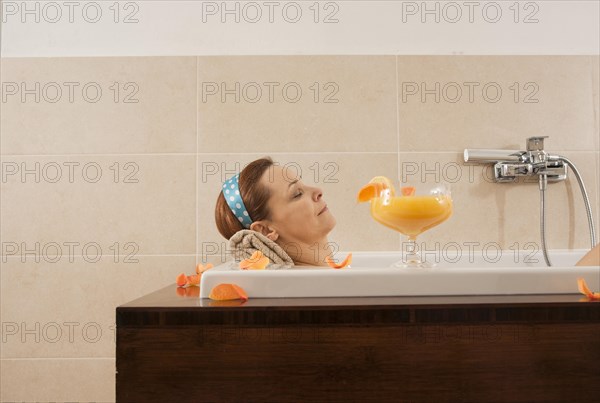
[254, 195]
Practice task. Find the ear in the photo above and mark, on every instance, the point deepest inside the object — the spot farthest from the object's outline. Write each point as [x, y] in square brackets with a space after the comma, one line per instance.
[269, 232]
[273, 235]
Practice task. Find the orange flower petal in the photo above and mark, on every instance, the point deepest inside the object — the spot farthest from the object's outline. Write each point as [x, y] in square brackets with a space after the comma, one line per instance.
[261, 264]
[407, 190]
[258, 261]
[241, 292]
[200, 268]
[223, 292]
[194, 279]
[341, 265]
[181, 280]
[583, 288]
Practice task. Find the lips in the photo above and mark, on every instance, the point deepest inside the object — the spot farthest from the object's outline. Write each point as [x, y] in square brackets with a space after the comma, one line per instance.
[324, 209]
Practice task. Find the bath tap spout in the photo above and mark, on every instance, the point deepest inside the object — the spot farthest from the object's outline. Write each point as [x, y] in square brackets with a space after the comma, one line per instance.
[510, 164]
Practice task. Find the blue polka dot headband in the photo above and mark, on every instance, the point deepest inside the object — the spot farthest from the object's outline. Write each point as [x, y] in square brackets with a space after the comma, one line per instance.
[233, 197]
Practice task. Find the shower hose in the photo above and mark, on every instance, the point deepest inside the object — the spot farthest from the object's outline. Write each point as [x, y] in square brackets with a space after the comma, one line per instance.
[586, 200]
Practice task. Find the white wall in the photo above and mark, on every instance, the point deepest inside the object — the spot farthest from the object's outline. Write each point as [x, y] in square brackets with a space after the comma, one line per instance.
[166, 28]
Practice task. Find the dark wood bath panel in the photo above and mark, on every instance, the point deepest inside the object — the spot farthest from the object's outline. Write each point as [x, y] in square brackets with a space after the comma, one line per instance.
[516, 348]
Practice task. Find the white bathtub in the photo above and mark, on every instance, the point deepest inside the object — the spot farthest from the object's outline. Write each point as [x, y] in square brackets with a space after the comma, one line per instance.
[369, 275]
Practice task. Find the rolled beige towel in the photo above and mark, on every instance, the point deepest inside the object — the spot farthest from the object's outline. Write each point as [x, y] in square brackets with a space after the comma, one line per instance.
[245, 242]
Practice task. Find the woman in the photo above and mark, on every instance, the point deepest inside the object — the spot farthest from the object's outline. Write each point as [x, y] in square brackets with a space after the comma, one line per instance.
[290, 213]
[272, 201]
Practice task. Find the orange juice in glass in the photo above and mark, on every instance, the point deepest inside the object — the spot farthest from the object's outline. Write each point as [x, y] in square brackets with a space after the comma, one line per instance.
[411, 213]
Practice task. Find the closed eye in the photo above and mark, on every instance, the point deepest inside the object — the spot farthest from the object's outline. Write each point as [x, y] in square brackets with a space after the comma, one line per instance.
[298, 195]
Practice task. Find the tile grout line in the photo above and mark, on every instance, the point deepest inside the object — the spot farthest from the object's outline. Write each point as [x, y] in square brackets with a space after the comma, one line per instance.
[597, 219]
[197, 142]
[49, 256]
[251, 152]
[207, 153]
[397, 122]
[398, 138]
[56, 358]
[2, 182]
[100, 155]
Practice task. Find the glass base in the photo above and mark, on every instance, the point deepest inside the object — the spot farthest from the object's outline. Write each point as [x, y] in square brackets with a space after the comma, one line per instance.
[412, 259]
[412, 264]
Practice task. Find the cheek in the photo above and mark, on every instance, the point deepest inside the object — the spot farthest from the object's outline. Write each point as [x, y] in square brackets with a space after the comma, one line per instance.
[302, 214]
[301, 217]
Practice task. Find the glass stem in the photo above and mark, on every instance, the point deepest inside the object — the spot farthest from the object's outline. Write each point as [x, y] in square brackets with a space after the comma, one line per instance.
[411, 255]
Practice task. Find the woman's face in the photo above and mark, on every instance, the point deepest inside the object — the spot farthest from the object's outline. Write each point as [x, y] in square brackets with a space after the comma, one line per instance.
[296, 208]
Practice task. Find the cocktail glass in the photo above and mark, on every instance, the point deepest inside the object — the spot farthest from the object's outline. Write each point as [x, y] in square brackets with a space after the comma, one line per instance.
[415, 210]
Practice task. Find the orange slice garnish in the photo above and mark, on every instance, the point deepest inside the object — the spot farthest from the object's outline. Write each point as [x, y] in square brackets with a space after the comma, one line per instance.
[340, 265]
[370, 191]
[407, 190]
[375, 188]
[583, 288]
[224, 292]
[258, 261]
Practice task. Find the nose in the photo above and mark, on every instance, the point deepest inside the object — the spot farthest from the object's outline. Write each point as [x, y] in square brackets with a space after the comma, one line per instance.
[318, 193]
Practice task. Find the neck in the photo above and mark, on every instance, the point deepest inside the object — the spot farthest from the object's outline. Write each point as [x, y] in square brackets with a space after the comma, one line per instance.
[309, 254]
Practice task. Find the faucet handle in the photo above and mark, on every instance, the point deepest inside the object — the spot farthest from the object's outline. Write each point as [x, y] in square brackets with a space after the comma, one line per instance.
[536, 143]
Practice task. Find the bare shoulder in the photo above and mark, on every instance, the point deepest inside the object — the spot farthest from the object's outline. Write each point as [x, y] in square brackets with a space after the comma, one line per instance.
[592, 258]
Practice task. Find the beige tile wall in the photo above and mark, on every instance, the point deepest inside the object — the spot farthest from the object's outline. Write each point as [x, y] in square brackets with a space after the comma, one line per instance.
[123, 176]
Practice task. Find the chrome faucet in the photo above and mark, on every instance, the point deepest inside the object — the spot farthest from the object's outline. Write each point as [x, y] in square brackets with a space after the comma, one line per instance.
[510, 164]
